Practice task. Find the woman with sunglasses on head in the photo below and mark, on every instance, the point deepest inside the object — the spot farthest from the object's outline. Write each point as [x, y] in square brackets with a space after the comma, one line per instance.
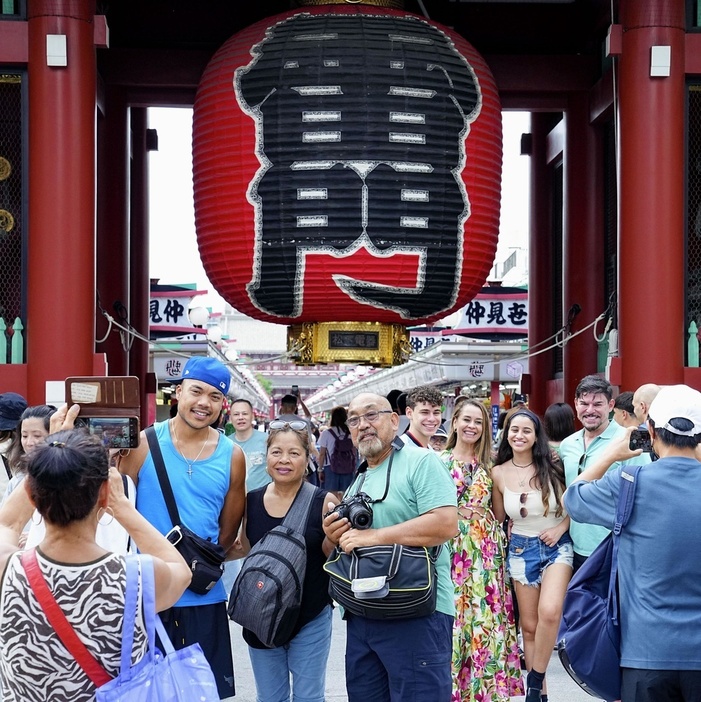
[303, 658]
[486, 663]
[528, 487]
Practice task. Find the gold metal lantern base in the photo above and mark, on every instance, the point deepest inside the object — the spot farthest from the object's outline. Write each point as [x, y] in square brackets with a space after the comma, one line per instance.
[364, 343]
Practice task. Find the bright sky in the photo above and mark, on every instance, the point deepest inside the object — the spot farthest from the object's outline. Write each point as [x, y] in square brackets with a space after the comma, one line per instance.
[174, 254]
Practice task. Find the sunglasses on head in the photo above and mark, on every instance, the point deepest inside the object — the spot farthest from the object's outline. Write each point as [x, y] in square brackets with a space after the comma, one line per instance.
[295, 425]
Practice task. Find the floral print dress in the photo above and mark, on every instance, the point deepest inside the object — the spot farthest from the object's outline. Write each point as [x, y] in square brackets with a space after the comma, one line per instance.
[486, 662]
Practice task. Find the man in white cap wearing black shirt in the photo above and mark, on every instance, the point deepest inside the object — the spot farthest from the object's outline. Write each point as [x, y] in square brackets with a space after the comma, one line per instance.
[659, 572]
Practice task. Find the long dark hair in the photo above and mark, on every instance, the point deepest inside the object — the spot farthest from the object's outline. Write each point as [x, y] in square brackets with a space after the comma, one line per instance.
[16, 454]
[548, 469]
[338, 419]
[559, 421]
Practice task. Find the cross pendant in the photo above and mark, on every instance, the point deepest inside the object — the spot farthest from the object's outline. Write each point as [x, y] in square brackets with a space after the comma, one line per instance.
[189, 472]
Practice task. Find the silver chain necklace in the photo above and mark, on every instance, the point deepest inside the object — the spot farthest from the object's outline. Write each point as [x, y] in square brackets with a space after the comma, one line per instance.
[180, 453]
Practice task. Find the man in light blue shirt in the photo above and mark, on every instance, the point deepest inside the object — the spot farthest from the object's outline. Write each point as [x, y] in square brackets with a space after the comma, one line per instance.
[253, 442]
[659, 575]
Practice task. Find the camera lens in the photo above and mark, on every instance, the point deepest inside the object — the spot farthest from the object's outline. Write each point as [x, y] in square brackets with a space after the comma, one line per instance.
[360, 517]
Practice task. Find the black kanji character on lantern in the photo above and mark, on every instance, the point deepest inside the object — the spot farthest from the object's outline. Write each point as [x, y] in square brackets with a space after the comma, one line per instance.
[517, 313]
[496, 313]
[354, 159]
[475, 312]
[173, 311]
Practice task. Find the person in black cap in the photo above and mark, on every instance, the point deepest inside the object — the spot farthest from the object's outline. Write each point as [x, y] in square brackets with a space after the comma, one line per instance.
[11, 407]
[207, 473]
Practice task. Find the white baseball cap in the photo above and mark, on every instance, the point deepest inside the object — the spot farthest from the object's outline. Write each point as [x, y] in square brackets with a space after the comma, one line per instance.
[677, 402]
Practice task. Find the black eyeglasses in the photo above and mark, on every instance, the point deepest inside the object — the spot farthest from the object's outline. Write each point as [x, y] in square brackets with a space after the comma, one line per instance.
[522, 499]
[295, 425]
[371, 417]
[582, 461]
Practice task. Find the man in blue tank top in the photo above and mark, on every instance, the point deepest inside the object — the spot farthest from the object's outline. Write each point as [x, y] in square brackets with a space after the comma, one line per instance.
[207, 473]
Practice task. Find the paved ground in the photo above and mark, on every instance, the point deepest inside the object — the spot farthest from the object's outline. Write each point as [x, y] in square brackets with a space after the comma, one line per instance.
[561, 687]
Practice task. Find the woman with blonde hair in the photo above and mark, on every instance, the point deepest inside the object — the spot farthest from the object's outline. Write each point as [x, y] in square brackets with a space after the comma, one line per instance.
[486, 663]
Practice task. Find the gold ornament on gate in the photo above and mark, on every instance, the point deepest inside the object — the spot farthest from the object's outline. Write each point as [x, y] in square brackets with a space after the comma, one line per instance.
[5, 168]
[7, 221]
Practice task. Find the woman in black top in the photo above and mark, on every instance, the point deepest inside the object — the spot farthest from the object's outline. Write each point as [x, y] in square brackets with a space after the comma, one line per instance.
[304, 656]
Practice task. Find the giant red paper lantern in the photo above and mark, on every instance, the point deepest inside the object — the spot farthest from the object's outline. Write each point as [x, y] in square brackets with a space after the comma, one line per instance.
[347, 166]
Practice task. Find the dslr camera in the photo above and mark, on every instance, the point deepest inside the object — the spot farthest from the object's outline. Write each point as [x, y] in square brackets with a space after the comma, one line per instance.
[356, 509]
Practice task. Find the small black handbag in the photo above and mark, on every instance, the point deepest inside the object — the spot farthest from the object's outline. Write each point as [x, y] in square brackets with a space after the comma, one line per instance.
[205, 558]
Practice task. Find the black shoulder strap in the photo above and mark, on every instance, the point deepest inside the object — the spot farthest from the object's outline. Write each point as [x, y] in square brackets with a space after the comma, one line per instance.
[299, 509]
[7, 466]
[163, 479]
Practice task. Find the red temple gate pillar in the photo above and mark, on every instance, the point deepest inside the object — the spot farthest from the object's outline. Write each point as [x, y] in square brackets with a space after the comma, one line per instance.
[651, 227]
[61, 299]
[540, 288]
[113, 226]
[583, 240]
[139, 278]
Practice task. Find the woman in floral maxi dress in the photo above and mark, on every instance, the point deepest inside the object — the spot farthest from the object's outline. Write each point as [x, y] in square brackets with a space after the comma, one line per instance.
[486, 662]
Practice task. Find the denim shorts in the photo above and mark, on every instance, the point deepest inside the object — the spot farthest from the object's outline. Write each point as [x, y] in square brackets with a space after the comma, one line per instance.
[529, 557]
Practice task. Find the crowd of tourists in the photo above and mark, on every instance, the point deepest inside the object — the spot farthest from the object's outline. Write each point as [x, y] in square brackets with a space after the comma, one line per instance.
[500, 525]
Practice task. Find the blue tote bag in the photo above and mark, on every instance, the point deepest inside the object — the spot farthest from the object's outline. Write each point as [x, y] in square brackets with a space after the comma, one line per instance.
[589, 640]
[168, 676]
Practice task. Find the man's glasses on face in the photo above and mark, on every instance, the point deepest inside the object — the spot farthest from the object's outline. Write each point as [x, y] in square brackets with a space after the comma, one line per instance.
[371, 417]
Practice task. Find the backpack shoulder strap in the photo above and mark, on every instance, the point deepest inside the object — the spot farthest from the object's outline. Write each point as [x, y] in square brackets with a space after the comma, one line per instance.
[163, 479]
[299, 509]
[629, 476]
[624, 507]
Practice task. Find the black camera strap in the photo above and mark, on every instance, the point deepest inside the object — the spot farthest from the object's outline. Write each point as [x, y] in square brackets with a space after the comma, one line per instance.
[397, 445]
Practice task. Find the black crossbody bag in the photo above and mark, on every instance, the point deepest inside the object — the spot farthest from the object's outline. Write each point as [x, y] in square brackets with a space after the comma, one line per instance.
[205, 558]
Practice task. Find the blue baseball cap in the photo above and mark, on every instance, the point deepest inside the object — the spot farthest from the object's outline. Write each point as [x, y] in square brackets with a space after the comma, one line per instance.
[208, 370]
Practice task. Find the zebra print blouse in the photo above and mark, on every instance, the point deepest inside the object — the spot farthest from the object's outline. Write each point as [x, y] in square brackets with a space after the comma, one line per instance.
[34, 664]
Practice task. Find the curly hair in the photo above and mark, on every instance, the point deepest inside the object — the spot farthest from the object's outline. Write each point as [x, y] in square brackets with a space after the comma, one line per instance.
[424, 393]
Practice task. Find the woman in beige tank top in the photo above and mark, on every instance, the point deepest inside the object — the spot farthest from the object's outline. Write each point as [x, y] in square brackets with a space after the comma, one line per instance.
[528, 482]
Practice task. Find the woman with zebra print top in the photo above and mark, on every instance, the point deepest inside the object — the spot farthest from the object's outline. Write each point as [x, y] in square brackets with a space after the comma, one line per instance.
[71, 485]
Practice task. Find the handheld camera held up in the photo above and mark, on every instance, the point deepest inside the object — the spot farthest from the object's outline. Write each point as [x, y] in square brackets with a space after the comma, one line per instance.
[357, 509]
